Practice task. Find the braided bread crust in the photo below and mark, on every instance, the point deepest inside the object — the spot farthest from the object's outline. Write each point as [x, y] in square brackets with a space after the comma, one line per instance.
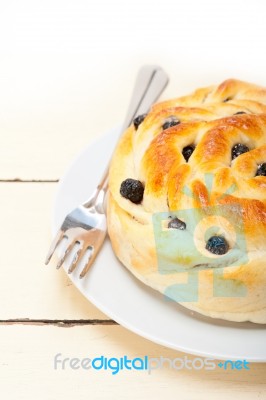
[210, 192]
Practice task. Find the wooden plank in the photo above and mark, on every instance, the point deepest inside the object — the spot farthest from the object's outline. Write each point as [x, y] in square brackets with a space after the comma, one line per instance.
[53, 105]
[51, 112]
[28, 289]
[57, 110]
[53, 115]
[27, 368]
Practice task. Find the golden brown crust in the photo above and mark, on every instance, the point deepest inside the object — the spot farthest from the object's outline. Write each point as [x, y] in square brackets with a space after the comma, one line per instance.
[227, 193]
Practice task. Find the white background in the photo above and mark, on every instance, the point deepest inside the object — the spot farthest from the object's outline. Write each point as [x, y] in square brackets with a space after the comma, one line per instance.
[69, 66]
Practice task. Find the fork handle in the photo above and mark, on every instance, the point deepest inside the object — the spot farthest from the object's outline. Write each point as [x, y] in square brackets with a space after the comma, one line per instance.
[151, 81]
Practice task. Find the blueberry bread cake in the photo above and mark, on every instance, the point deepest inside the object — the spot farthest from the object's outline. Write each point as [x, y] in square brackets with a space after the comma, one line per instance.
[187, 200]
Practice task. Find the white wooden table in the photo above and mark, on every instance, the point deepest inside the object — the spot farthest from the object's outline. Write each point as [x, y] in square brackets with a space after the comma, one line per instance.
[66, 72]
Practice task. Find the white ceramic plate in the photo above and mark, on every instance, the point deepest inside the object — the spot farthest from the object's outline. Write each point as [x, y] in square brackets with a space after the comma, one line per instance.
[137, 307]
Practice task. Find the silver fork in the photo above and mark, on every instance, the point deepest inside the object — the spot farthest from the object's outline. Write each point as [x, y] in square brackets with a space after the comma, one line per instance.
[86, 225]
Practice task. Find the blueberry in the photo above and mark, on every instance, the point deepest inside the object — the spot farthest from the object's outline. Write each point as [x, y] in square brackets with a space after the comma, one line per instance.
[177, 224]
[217, 245]
[132, 190]
[187, 151]
[261, 170]
[171, 121]
[240, 112]
[138, 120]
[239, 149]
